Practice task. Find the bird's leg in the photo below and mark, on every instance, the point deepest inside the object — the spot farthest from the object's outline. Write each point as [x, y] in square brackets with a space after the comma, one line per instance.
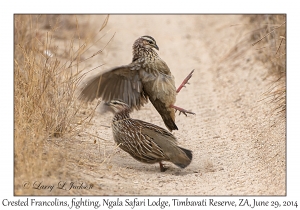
[181, 110]
[162, 167]
[185, 81]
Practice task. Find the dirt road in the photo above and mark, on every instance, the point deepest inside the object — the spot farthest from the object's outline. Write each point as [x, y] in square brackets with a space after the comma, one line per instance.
[238, 149]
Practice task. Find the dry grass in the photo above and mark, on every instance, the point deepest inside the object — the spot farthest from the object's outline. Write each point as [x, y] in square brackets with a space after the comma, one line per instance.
[49, 59]
[269, 39]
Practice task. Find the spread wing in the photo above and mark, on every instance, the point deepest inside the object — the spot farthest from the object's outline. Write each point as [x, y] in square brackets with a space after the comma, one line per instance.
[118, 83]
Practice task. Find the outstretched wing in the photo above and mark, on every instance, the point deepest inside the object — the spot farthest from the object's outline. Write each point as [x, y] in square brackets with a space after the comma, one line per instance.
[118, 83]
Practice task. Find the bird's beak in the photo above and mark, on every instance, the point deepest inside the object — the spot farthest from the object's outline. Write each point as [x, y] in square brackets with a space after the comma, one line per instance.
[156, 47]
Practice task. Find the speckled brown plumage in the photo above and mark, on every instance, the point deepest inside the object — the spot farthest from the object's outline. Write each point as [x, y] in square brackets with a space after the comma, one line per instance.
[146, 142]
[147, 77]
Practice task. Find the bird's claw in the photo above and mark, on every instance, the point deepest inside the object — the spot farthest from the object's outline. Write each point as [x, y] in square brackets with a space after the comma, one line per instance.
[185, 81]
[183, 111]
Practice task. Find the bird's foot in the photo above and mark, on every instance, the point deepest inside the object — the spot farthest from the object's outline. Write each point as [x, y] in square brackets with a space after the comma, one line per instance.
[181, 110]
[163, 168]
[185, 81]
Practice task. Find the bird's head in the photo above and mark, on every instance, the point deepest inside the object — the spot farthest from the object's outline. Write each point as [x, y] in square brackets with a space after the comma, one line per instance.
[117, 105]
[147, 42]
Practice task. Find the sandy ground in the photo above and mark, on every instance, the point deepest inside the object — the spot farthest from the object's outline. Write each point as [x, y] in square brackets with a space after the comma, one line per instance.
[238, 147]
